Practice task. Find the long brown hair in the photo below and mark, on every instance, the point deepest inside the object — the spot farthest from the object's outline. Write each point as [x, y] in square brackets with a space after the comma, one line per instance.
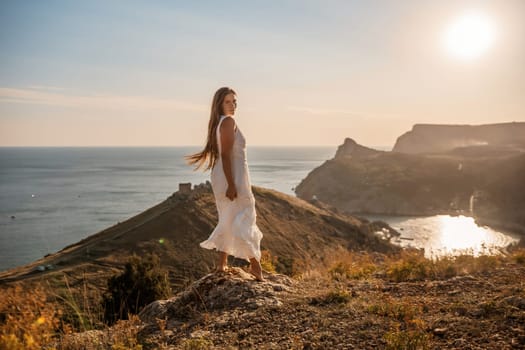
[210, 152]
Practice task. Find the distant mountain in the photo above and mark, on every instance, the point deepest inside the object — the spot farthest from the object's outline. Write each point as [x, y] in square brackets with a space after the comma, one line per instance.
[486, 179]
[299, 234]
[435, 138]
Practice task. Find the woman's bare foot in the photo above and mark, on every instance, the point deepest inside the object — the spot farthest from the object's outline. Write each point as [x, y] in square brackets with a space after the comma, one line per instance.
[222, 263]
[221, 268]
[256, 270]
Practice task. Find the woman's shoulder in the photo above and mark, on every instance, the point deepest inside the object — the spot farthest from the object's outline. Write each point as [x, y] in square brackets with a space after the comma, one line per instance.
[227, 121]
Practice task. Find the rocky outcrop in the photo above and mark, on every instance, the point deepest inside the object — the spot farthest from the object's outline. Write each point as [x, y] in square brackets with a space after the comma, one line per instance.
[217, 291]
[392, 184]
[432, 138]
[226, 296]
[395, 183]
[350, 148]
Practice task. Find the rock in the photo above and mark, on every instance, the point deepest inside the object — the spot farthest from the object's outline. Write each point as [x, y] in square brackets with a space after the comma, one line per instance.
[199, 334]
[459, 342]
[516, 301]
[440, 331]
[232, 289]
[279, 288]
[477, 312]
[350, 148]
[154, 310]
[519, 341]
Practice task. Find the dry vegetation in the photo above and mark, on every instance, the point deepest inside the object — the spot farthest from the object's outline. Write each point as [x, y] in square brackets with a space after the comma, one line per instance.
[363, 300]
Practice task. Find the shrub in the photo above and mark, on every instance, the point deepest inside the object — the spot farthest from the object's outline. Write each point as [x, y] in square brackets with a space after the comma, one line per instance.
[142, 282]
[413, 339]
[408, 332]
[410, 266]
[334, 297]
[482, 263]
[27, 319]
[290, 266]
[80, 311]
[124, 335]
[445, 267]
[268, 261]
[413, 266]
[197, 344]
[354, 266]
[401, 311]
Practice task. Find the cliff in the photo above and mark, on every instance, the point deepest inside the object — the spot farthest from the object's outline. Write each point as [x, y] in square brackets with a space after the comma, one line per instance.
[433, 138]
[470, 181]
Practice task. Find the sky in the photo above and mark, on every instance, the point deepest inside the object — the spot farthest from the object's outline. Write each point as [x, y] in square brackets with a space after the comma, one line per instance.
[306, 72]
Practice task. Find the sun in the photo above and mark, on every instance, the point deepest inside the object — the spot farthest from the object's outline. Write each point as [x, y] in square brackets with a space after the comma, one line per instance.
[469, 36]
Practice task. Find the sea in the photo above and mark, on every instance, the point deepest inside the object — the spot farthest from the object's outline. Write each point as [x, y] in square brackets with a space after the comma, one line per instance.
[51, 197]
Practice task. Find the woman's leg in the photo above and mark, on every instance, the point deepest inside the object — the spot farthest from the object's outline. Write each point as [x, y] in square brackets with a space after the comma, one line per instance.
[222, 262]
[256, 269]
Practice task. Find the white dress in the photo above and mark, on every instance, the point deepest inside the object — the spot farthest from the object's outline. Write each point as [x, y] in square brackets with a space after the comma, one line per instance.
[236, 233]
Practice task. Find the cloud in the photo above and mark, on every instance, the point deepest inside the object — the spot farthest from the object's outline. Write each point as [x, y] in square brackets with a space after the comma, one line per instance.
[41, 95]
[321, 111]
[45, 87]
[347, 113]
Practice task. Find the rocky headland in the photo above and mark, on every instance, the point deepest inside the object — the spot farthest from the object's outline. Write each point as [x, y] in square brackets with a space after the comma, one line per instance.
[432, 170]
[438, 138]
[297, 233]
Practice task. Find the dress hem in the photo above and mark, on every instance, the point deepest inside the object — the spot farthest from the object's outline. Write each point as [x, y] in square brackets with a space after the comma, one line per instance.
[212, 246]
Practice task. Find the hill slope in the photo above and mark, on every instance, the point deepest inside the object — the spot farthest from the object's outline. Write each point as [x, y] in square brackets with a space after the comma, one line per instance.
[298, 233]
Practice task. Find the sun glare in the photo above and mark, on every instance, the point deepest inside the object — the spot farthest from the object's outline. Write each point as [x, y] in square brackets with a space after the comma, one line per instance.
[469, 36]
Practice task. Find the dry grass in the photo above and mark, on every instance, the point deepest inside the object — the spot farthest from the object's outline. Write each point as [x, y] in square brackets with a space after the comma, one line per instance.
[43, 316]
[80, 303]
[411, 265]
[27, 319]
[402, 311]
[39, 316]
[354, 266]
[408, 330]
[123, 335]
[338, 296]
[268, 262]
[413, 338]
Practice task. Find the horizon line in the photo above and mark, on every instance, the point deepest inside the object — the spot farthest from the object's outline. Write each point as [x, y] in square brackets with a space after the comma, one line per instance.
[171, 146]
[130, 146]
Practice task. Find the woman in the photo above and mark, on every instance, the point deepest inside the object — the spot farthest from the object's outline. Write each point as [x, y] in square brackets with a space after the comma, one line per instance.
[236, 233]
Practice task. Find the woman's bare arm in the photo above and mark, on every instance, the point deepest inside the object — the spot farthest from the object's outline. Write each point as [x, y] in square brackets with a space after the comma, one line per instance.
[227, 138]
